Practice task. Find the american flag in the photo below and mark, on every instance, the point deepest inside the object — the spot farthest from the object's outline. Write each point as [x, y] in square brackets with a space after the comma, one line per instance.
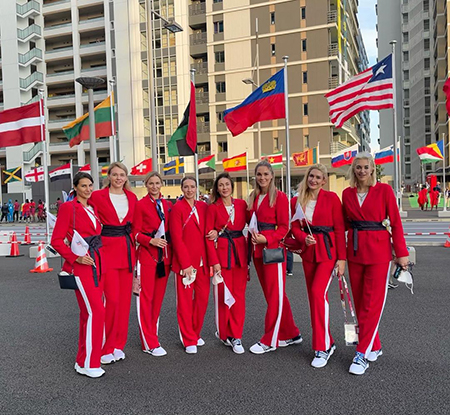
[370, 90]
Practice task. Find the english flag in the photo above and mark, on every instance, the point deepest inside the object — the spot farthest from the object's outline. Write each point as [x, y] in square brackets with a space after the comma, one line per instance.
[21, 125]
[142, 168]
[35, 175]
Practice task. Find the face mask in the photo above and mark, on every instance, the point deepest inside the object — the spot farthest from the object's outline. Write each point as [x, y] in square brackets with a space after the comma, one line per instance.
[406, 277]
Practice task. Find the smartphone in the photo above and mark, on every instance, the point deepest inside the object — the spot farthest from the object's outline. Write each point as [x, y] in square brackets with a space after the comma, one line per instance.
[50, 249]
[397, 271]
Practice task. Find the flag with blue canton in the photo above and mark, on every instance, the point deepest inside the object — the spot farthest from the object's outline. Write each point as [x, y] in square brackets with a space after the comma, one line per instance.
[174, 167]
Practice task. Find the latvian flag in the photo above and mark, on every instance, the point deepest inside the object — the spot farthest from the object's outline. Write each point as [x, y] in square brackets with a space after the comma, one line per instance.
[35, 175]
[60, 173]
[207, 164]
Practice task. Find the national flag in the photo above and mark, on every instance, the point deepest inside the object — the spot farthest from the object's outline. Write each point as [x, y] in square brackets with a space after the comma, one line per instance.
[86, 168]
[63, 172]
[235, 163]
[228, 298]
[104, 171]
[142, 168]
[446, 89]
[299, 214]
[78, 245]
[184, 140]
[264, 103]
[21, 125]
[432, 152]
[372, 89]
[386, 155]
[344, 157]
[306, 158]
[207, 164]
[276, 160]
[51, 219]
[12, 175]
[174, 167]
[78, 130]
[35, 175]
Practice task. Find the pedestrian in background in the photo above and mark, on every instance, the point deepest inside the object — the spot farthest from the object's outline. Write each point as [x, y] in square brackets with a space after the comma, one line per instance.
[422, 198]
[16, 211]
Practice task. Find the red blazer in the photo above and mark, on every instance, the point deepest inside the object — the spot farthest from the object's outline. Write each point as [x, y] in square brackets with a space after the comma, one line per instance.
[188, 236]
[146, 220]
[423, 197]
[64, 229]
[216, 218]
[278, 215]
[374, 247]
[328, 212]
[434, 197]
[115, 251]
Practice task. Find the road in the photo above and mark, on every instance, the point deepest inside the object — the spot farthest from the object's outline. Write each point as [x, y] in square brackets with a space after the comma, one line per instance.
[39, 338]
[426, 227]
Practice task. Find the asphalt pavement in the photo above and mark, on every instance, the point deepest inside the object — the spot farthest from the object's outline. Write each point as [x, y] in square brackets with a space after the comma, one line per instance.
[39, 331]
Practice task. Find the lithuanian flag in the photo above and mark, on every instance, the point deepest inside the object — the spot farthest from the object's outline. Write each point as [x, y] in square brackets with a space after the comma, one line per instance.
[78, 130]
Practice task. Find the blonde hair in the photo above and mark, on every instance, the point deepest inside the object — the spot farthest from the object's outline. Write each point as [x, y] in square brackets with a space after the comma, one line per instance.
[272, 188]
[107, 181]
[304, 192]
[351, 171]
[150, 175]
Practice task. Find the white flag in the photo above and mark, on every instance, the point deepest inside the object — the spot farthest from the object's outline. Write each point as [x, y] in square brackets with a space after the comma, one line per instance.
[299, 214]
[228, 297]
[51, 219]
[79, 246]
[161, 231]
[65, 196]
[253, 225]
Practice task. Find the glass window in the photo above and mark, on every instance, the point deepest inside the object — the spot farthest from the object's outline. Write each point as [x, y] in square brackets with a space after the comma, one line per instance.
[272, 17]
[220, 56]
[305, 77]
[305, 110]
[218, 27]
[272, 46]
[303, 12]
[220, 87]
[303, 45]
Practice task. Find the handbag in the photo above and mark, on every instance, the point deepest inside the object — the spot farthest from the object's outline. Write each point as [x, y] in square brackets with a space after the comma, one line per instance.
[273, 256]
[351, 329]
[67, 281]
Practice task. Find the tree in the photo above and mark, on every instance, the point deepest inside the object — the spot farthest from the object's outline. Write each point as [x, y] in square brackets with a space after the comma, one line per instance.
[380, 171]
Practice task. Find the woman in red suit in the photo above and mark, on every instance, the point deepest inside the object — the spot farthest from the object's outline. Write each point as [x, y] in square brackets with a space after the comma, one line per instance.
[115, 204]
[188, 233]
[422, 199]
[373, 220]
[325, 249]
[228, 257]
[434, 198]
[271, 208]
[78, 215]
[151, 227]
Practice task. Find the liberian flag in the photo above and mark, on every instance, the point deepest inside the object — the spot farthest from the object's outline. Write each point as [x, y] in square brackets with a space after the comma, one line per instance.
[370, 90]
[35, 175]
[344, 157]
[263, 104]
[276, 160]
[207, 164]
[21, 125]
[63, 172]
[432, 152]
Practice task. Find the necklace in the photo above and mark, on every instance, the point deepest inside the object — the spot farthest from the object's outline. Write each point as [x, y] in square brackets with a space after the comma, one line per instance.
[362, 196]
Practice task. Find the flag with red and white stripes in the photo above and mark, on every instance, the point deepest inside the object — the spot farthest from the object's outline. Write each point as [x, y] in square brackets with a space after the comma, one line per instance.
[35, 175]
[372, 89]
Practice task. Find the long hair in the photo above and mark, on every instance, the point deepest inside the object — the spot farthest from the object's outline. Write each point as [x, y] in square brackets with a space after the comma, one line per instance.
[152, 174]
[304, 192]
[257, 191]
[188, 178]
[215, 196]
[351, 171]
[107, 181]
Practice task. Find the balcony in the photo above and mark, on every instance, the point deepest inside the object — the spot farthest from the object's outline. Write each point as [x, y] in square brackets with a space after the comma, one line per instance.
[30, 155]
[30, 33]
[34, 79]
[333, 82]
[197, 8]
[58, 29]
[200, 67]
[59, 53]
[59, 123]
[198, 38]
[56, 6]
[32, 8]
[332, 16]
[89, 24]
[202, 97]
[59, 77]
[203, 127]
[34, 55]
[97, 71]
[54, 101]
[93, 48]
[333, 49]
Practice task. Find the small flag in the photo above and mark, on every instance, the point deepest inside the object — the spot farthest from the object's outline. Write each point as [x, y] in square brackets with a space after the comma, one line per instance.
[432, 152]
[78, 245]
[104, 171]
[306, 158]
[142, 168]
[35, 175]
[276, 160]
[299, 214]
[161, 232]
[65, 196]
[174, 167]
[86, 168]
[229, 300]
[207, 164]
[344, 157]
[372, 89]
[253, 225]
[386, 155]
[60, 173]
[51, 219]
[12, 175]
[235, 163]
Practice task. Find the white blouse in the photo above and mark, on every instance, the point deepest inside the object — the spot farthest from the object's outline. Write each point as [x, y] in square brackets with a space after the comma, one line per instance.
[120, 203]
[309, 210]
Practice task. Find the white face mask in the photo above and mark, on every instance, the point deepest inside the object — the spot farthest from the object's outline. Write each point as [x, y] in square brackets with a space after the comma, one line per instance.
[407, 278]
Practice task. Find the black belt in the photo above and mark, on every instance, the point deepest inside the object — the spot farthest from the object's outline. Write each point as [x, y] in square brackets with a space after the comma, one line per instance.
[95, 243]
[122, 230]
[364, 225]
[230, 235]
[263, 226]
[325, 231]
[160, 262]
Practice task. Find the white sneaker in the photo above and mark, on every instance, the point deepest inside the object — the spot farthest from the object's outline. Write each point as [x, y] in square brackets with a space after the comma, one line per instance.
[89, 372]
[359, 364]
[237, 346]
[191, 349]
[259, 348]
[107, 359]
[200, 342]
[321, 358]
[374, 355]
[296, 340]
[157, 351]
[225, 342]
[118, 354]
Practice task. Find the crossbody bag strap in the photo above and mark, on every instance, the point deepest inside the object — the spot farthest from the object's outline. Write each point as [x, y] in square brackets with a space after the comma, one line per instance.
[194, 208]
[343, 286]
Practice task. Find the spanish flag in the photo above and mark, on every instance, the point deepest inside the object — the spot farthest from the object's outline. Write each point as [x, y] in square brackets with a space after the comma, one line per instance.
[78, 130]
[235, 163]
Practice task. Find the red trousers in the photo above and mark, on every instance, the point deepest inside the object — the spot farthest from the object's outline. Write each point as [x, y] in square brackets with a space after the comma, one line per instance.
[279, 322]
[149, 303]
[369, 287]
[318, 276]
[192, 302]
[92, 320]
[117, 287]
[230, 321]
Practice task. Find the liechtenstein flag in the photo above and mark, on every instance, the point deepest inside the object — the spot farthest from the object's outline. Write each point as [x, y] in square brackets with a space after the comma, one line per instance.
[263, 104]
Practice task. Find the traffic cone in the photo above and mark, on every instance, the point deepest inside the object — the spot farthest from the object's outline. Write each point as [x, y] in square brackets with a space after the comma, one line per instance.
[27, 239]
[41, 264]
[14, 246]
[447, 242]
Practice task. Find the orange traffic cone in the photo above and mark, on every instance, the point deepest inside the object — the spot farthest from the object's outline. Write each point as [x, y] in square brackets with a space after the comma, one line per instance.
[447, 242]
[14, 246]
[27, 239]
[41, 264]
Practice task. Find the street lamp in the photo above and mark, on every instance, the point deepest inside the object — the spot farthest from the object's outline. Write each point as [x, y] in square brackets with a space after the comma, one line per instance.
[90, 83]
[250, 81]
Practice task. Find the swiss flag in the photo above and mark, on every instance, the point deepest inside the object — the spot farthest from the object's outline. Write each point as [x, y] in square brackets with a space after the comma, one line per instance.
[142, 168]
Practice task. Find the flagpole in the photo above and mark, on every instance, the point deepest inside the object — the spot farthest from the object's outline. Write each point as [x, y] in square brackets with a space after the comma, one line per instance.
[394, 113]
[112, 138]
[282, 178]
[444, 185]
[318, 152]
[399, 170]
[45, 155]
[195, 154]
[288, 147]
[248, 175]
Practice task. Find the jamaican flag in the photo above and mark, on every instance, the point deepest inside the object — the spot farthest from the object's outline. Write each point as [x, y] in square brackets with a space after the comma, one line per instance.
[12, 175]
[184, 140]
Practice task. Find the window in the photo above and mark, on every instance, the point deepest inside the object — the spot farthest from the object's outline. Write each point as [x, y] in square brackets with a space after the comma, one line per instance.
[305, 77]
[306, 141]
[305, 110]
[220, 56]
[275, 143]
[217, 1]
[426, 63]
[303, 13]
[272, 17]
[220, 87]
[426, 25]
[426, 44]
[273, 49]
[222, 146]
[220, 116]
[303, 45]
[218, 27]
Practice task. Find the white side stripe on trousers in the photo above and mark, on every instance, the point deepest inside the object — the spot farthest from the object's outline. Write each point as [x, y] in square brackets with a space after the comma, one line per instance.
[327, 315]
[87, 361]
[138, 310]
[276, 329]
[216, 308]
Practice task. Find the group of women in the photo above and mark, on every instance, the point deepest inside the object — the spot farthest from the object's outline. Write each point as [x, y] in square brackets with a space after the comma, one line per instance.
[199, 242]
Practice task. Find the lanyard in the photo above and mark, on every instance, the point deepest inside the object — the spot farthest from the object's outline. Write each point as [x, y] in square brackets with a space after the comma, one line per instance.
[343, 285]
[229, 219]
[194, 208]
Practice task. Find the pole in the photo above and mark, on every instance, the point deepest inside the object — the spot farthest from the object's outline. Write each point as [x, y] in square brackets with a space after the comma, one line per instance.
[112, 138]
[45, 160]
[195, 154]
[288, 146]
[394, 113]
[400, 152]
[248, 174]
[257, 82]
[92, 146]
[444, 185]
